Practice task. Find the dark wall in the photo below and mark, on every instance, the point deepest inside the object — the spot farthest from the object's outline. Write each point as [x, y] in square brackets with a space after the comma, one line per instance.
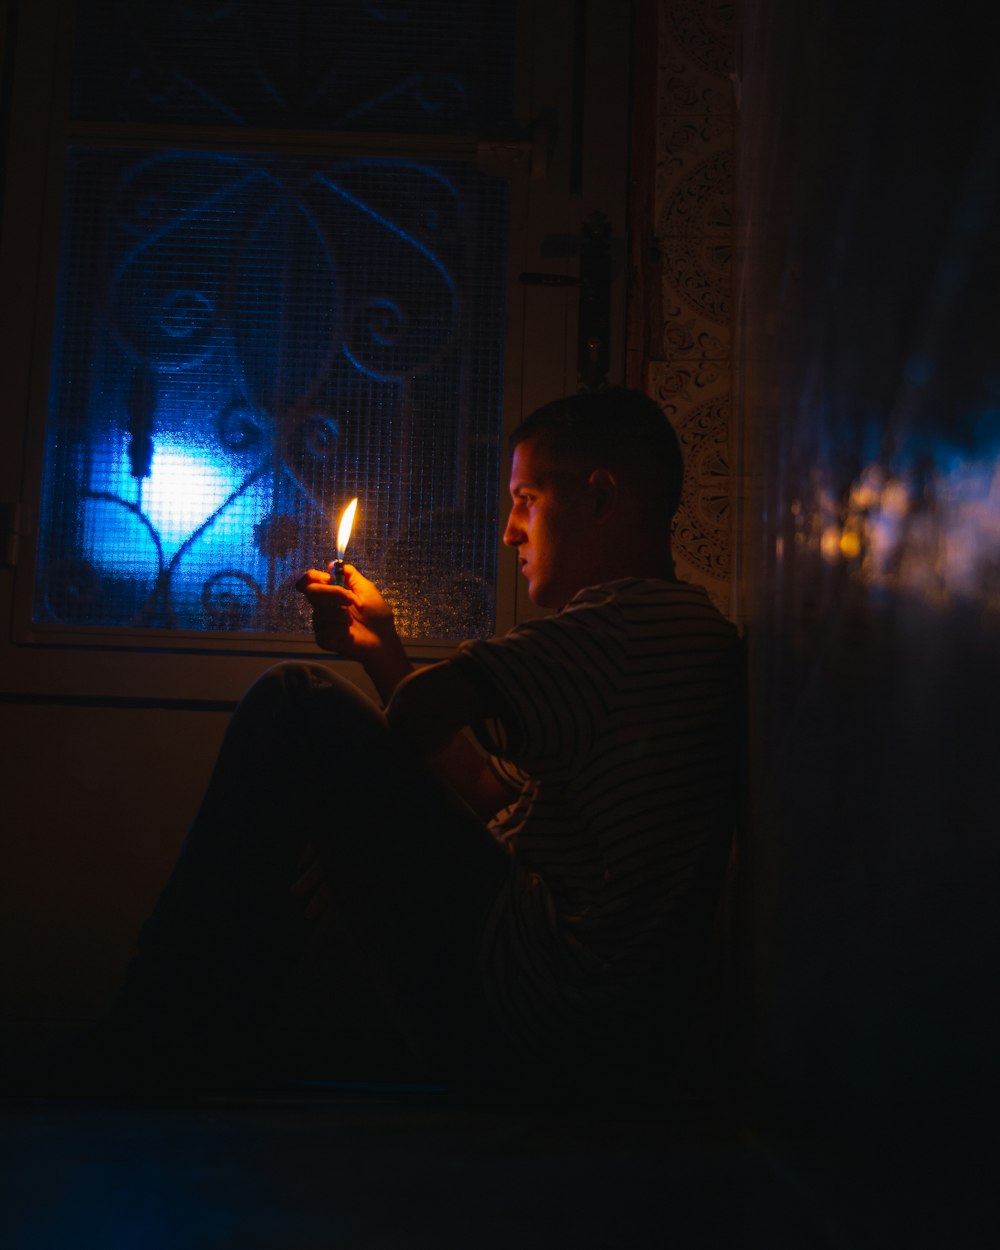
[94, 803]
[869, 292]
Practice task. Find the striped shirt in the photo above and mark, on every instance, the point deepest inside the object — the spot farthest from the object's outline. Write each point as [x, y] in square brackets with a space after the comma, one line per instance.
[617, 725]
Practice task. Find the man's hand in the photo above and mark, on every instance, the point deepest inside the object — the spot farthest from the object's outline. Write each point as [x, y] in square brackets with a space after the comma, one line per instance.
[351, 619]
[355, 621]
[432, 707]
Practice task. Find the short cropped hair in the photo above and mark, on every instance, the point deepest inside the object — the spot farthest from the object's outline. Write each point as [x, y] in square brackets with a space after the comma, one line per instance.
[617, 429]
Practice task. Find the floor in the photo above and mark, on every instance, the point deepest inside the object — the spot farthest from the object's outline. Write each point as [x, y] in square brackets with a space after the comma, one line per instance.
[325, 1166]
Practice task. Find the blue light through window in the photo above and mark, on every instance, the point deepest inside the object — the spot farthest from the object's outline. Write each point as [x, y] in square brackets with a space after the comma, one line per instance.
[246, 343]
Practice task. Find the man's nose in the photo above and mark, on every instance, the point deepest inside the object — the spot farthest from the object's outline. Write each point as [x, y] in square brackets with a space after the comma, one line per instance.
[512, 535]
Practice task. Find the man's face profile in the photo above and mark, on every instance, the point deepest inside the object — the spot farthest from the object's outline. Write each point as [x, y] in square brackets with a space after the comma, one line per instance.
[549, 525]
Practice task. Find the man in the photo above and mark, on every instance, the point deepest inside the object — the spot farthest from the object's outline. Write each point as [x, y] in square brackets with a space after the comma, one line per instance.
[549, 923]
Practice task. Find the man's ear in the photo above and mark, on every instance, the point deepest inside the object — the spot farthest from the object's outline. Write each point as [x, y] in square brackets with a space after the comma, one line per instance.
[604, 492]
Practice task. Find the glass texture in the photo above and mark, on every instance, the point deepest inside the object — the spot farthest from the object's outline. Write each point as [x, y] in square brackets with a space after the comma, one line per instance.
[358, 65]
[243, 345]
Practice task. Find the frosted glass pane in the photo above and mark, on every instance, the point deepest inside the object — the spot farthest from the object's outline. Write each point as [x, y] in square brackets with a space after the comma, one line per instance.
[243, 345]
[387, 65]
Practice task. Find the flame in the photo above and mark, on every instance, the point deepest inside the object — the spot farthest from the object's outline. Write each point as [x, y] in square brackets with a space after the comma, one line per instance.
[346, 525]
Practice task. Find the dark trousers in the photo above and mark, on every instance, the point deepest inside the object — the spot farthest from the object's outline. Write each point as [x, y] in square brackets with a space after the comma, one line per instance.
[228, 974]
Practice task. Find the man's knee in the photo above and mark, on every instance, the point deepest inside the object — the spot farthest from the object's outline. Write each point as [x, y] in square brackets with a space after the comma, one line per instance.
[313, 693]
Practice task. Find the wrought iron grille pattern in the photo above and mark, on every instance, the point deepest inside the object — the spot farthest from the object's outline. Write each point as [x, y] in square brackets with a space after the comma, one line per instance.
[246, 341]
[248, 344]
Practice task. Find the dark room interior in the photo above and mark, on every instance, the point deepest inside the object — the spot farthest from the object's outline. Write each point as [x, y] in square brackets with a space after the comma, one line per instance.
[780, 221]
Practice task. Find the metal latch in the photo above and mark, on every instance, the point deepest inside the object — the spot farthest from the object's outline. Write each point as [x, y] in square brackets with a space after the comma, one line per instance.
[13, 527]
[502, 157]
[594, 321]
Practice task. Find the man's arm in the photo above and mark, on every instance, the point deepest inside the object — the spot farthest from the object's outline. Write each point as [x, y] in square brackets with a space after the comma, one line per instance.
[429, 712]
[430, 708]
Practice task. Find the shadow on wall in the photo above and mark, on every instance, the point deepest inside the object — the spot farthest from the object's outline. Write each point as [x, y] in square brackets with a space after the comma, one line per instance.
[869, 213]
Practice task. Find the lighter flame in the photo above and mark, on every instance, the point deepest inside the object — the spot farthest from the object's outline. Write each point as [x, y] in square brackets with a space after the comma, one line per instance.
[346, 525]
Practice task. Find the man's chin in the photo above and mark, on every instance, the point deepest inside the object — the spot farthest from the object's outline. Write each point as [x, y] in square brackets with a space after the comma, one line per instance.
[546, 597]
[537, 596]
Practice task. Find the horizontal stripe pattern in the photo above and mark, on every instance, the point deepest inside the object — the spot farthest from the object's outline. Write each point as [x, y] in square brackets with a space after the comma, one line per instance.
[619, 726]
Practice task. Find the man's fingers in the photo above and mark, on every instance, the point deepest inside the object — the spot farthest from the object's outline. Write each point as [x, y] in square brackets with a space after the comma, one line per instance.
[311, 578]
[328, 595]
[318, 586]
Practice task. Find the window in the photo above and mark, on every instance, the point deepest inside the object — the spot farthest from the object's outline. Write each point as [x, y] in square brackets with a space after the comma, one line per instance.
[247, 339]
[278, 264]
[244, 343]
